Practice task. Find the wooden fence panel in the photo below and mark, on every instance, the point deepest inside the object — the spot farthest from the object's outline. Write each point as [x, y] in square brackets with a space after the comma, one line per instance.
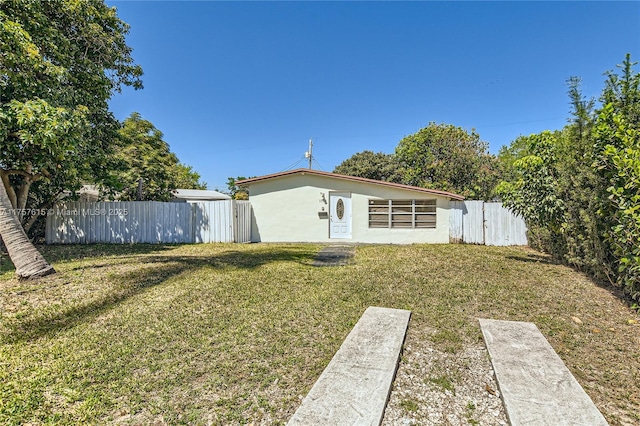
[456, 213]
[473, 222]
[213, 222]
[242, 221]
[503, 227]
[174, 222]
[477, 222]
[128, 222]
[135, 219]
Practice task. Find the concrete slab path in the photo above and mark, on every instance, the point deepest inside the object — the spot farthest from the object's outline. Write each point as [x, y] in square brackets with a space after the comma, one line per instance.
[354, 388]
[336, 255]
[536, 387]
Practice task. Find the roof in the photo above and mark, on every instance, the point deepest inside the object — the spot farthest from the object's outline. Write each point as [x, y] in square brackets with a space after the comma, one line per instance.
[312, 172]
[198, 194]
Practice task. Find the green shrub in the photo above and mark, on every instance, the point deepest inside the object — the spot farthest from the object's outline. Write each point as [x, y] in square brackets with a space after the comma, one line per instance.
[579, 188]
[619, 164]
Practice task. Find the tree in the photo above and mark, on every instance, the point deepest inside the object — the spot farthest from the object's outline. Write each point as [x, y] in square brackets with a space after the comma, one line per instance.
[579, 188]
[28, 261]
[37, 138]
[583, 191]
[619, 164]
[617, 149]
[507, 156]
[186, 178]
[370, 165]
[553, 185]
[581, 110]
[534, 195]
[237, 192]
[623, 92]
[150, 171]
[61, 61]
[447, 157]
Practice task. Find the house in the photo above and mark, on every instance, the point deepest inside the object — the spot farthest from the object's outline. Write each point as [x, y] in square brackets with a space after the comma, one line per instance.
[305, 205]
[197, 195]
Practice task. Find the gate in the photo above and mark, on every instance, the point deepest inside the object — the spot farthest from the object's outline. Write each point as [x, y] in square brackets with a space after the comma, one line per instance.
[477, 222]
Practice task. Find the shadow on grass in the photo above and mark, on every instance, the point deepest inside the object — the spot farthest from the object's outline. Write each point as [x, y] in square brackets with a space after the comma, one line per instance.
[226, 259]
[157, 269]
[535, 258]
[59, 253]
[47, 322]
[609, 286]
[5, 263]
[72, 252]
[239, 259]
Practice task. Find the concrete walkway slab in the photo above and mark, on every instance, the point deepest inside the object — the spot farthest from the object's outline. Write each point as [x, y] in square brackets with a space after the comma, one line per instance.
[355, 386]
[536, 387]
[335, 255]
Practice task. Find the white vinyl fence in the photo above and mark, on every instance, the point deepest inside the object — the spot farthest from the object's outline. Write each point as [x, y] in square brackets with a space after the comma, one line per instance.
[149, 222]
[477, 222]
[242, 222]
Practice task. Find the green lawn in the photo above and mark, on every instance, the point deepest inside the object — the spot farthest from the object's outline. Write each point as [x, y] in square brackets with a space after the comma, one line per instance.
[233, 334]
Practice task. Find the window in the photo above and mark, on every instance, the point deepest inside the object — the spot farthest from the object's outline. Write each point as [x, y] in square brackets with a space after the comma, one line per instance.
[402, 213]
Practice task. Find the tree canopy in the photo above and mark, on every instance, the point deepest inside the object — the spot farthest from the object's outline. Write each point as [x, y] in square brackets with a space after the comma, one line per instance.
[439, 156]
[149, 170]
[579, 188]
[237, 192]
[443, 156]
[61, 62]
[370, 165]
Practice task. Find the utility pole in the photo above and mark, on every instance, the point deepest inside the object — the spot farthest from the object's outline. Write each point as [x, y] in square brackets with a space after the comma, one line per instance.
[309, 154]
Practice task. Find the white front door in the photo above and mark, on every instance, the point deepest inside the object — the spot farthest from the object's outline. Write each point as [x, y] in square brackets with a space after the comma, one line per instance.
[339, 215]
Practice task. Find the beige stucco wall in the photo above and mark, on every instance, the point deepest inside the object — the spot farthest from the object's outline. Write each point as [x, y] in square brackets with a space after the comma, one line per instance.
[286, 209]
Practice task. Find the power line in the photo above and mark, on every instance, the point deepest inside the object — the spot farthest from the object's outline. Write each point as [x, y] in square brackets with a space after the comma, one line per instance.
[294, 164]
[519, 122]
[307, 156]
[319, 165]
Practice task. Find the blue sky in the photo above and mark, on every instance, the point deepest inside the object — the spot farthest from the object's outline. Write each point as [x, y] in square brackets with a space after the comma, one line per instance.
[239, 88]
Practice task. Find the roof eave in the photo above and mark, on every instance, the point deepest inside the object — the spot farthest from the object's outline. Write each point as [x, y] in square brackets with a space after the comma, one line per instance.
[450, 195]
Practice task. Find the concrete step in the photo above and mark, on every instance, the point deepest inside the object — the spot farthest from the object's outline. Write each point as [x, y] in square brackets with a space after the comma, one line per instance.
[536, 386]
[354, 388]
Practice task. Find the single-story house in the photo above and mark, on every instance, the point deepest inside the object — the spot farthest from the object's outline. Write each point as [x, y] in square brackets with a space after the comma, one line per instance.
[197, 195]
[305, 205]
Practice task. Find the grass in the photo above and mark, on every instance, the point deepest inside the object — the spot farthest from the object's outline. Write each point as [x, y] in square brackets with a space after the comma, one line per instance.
[443, 383]
[234, 334]
[469, 410]
[409, 405]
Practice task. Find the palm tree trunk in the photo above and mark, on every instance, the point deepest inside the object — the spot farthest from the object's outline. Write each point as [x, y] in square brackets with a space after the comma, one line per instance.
[28, 261]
